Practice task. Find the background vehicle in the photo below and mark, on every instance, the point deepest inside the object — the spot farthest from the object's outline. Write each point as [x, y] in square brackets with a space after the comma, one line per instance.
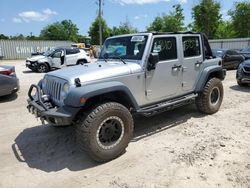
[245, 52]
[56, 58]
[9, 83]
[243, 73]
[230, 58]
[144, 73]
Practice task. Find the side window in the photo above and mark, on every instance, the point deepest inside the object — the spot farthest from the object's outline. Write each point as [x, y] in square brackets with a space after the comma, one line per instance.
[191, 46]
[231, 52]
[165, 47]
[57, 54]
[72, 51]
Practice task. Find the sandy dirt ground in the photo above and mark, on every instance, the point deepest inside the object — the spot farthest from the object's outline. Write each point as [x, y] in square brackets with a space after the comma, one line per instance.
[180, 148]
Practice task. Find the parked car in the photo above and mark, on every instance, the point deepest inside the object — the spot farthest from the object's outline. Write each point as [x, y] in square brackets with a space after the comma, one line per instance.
[243, 73]
[230, 58]
[245, 52]
[56, 58]
[143, 73]
[9, 83]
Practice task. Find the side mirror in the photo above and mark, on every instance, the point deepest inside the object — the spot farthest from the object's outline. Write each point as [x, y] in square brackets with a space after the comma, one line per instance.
[153, 60]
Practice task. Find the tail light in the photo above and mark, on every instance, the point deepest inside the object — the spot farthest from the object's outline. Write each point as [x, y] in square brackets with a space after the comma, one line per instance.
[8, 72]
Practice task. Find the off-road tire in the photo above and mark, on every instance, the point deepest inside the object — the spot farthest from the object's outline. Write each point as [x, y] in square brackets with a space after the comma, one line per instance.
[209, 101]
[43, 68]
[90, 125]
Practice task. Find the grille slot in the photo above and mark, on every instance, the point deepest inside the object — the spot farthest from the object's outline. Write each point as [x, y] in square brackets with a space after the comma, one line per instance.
[53, 88]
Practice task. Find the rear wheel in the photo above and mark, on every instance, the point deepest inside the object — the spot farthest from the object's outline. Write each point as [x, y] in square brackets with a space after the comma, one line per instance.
[42, 68]
[81, 62]
[209, 101]
[104, 132]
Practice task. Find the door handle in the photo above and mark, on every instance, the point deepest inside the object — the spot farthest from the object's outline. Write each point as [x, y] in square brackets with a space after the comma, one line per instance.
[198, 63]
[176, 67]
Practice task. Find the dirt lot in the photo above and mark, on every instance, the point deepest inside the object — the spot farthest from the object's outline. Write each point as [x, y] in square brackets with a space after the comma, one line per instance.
[180, 148]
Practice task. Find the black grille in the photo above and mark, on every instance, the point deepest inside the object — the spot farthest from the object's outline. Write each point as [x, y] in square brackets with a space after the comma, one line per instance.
[247, 69]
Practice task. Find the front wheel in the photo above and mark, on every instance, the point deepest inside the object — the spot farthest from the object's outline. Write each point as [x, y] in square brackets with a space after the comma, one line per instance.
[42, 68]
[209, 101]
[105, 132]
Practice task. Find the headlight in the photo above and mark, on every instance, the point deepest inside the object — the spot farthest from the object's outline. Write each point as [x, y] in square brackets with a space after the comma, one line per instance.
[65, 91]
[66, 88]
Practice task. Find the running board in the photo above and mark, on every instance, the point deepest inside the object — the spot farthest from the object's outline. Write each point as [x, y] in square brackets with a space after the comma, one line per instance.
[167, 105]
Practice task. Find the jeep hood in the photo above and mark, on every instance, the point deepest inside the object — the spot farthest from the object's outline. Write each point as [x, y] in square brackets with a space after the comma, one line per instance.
[36, 58]
[96, 71]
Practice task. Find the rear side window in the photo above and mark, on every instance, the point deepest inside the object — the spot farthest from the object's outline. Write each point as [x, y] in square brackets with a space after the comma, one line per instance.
[165, 47]
[191, 46]
[72, 51]
[231, 52]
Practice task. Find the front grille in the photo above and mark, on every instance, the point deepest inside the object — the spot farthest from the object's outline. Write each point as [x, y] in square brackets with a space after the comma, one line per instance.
[247, 69]
[53, 88]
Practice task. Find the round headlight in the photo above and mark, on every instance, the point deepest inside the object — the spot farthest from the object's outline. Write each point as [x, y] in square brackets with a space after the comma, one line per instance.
[66, 88]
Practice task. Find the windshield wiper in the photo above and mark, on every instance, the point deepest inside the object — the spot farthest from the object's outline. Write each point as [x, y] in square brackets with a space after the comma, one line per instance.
[122, 60]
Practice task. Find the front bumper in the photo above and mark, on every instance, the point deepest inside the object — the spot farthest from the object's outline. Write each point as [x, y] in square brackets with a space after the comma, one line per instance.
[31, 65]
[59, 116]
[243, 76]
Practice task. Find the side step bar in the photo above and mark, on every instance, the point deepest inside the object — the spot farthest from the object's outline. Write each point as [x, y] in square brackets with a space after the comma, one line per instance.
[167, 105]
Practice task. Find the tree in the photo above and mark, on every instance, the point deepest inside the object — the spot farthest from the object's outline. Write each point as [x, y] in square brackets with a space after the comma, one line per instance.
[94, 31]
[18, 37]
[240, 18]
[64, 30]
[124, 28]
[2, 36]
[225, 30]
[169, 23]
[207, 17]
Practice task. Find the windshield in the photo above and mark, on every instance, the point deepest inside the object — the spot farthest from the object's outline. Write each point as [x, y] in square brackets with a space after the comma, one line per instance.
[49, 52]
[131, 47]
[218, 52]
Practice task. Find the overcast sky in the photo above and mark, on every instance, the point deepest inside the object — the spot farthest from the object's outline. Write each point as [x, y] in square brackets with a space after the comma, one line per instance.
[26, 16]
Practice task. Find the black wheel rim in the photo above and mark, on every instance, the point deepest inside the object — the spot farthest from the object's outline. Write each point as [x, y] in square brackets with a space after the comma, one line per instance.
[215, 96]
[42, 68]
[110, 132]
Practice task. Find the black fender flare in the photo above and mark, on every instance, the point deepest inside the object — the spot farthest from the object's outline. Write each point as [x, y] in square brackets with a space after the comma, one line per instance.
[216, 70]
[86, 92]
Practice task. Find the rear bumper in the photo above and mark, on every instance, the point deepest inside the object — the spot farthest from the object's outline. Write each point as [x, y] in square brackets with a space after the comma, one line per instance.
[59, 116]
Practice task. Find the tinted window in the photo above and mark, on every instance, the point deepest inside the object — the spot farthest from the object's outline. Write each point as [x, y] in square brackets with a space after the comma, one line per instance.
[72, 51]
[191, 46]
[165, 47]
[231, 52]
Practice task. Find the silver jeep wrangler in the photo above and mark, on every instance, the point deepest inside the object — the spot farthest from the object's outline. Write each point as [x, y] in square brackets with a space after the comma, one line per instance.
[144, 73]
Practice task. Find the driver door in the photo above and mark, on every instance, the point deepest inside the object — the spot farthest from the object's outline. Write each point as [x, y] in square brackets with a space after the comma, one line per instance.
[165, 80]
[56, 59]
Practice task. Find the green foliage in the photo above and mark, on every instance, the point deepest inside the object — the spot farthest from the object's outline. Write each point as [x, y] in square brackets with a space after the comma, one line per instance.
[124, 28]
[207, 17]
[169, 23]
[2, 36]
[94, 31]
[225, 30]
[64, 30]
[241, 18]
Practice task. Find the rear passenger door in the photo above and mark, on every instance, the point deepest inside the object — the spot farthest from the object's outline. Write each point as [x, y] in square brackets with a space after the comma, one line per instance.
[72, 56]
[165, 80]
[192, 61]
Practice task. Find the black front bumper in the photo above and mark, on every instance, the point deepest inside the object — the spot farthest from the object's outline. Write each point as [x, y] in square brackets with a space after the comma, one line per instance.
[59, 116]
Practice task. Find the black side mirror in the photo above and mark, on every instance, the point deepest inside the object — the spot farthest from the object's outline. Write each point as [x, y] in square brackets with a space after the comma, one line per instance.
[153, 60]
